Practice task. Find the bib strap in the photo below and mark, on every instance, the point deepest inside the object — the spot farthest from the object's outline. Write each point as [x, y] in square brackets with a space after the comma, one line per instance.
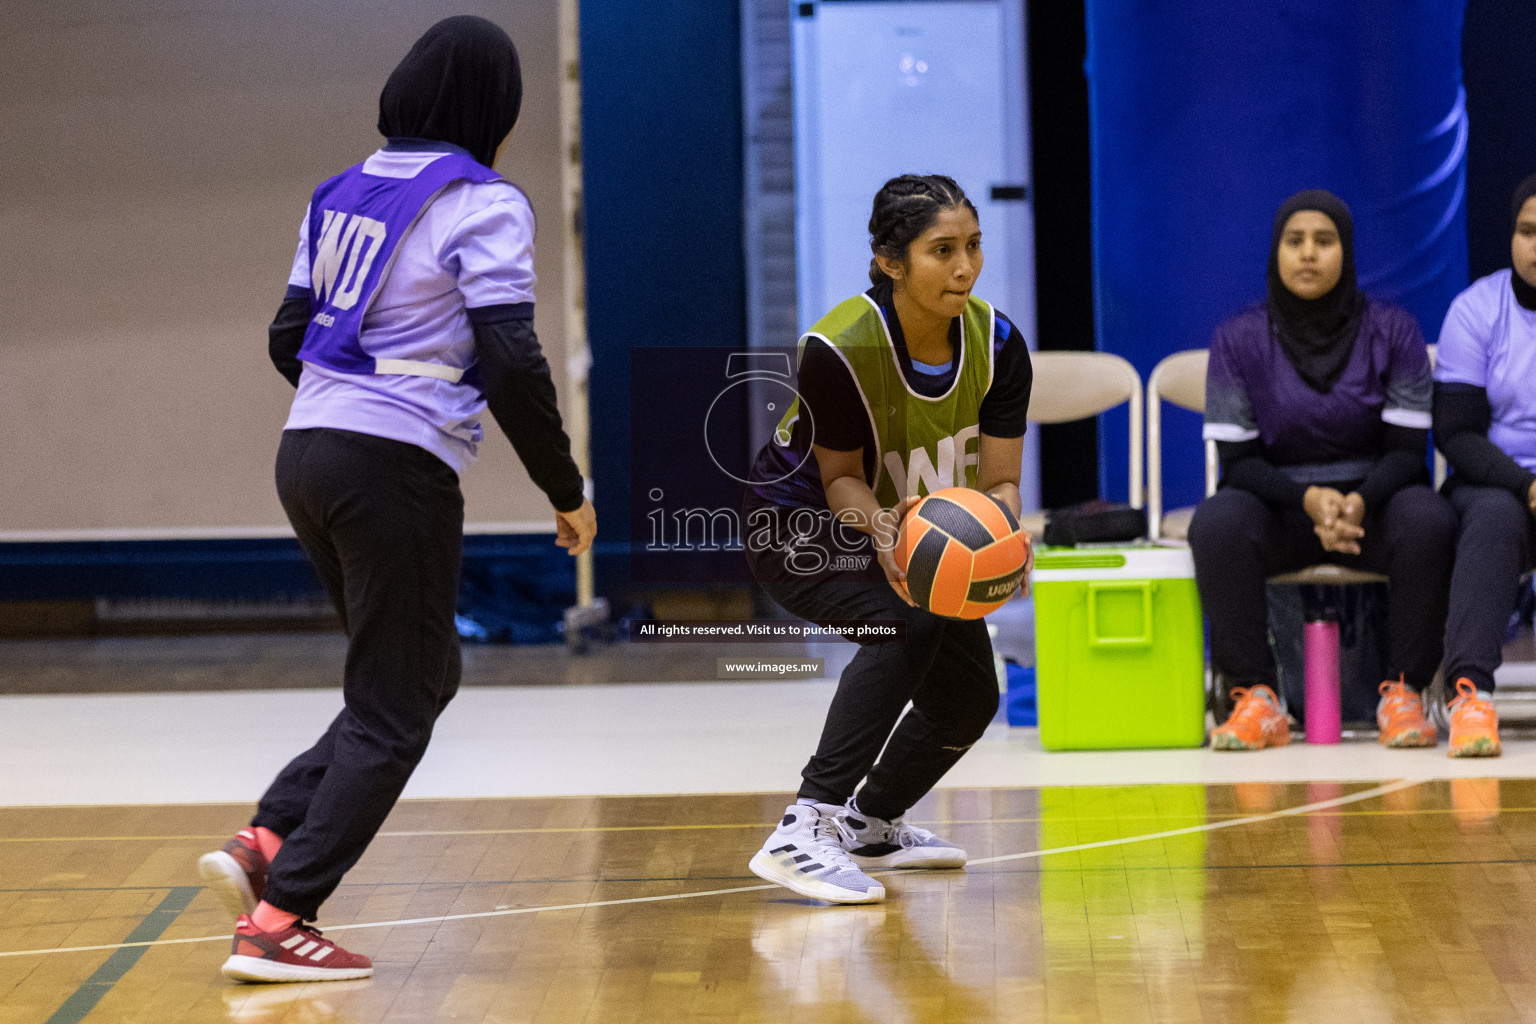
[413, 368]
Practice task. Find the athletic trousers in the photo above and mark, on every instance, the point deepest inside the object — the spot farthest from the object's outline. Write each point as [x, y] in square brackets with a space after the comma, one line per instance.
[383, 523]
[1493, 547]
[944, 668]
[1239, 541]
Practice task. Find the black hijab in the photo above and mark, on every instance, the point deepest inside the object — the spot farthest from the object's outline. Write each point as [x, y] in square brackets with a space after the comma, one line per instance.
[1317, 335]
[1524, 293]
[461, 83]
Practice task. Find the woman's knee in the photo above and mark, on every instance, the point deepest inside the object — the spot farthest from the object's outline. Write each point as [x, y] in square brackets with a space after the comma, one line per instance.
[962, 695]
[960, 718]
[1493, 512]
[1423, 513]
[1224, 518]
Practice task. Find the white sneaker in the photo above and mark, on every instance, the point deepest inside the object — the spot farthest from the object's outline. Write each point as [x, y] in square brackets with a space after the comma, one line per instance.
[876, 843]
[805, 854]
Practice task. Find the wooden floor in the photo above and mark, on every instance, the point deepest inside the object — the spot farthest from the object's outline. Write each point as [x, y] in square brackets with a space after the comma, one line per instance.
[1413, 904]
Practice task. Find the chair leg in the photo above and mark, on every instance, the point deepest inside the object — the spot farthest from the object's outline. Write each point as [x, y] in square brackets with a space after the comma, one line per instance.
[1218, 696]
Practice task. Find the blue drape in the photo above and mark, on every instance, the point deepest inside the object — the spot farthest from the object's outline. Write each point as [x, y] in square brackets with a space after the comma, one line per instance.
[1206, 114]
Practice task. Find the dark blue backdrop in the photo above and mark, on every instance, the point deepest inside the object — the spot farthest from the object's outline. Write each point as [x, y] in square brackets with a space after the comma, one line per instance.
[1500, 64]
[1206, 114]
[662, 152]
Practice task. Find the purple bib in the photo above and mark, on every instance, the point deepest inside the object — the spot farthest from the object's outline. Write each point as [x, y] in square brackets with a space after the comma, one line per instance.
[356, 221]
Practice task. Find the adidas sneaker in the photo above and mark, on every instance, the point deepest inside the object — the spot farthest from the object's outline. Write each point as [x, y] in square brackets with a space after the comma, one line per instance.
[805, 854]
[297, 953]
[876, 843]
[237, 874]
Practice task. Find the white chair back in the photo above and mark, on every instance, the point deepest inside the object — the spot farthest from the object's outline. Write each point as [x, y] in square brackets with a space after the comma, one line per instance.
[1075, 385]
[1179, 379]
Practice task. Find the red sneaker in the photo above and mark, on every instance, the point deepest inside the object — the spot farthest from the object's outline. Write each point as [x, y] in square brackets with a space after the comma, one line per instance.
[237, 873]
[297, 953]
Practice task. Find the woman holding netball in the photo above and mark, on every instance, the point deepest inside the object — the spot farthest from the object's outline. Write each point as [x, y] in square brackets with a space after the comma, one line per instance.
[409, 312]
[912, 384]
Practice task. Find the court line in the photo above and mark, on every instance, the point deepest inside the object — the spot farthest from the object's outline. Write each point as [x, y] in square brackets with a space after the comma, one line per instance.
[446, 833]
[1121, 869]
[422, 832]
[84, 999]
[1320, 805]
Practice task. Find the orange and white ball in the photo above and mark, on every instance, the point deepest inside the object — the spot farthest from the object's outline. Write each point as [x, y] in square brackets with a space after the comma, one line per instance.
[962, 551]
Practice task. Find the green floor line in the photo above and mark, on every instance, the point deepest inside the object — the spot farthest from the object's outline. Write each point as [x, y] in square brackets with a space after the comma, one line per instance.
[84, 999]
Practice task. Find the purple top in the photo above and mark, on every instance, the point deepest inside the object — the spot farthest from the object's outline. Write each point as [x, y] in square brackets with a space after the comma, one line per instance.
[1489, 341]
[467, 244]
[1252, 392]
[356, 221]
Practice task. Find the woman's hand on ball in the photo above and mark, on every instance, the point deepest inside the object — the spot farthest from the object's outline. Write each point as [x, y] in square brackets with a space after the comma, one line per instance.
[893, 575]
[887, 556]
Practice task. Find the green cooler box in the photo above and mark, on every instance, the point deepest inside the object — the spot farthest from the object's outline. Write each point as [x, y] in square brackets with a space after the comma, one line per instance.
[1119, 648]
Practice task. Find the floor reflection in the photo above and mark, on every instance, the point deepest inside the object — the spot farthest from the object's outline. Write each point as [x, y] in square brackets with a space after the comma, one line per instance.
[318, 1003]
[858, 964]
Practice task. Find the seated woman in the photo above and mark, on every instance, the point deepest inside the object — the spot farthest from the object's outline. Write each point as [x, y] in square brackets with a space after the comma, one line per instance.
[1485, 424]
[1319, 402]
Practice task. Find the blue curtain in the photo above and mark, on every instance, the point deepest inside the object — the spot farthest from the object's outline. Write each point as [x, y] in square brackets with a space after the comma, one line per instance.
[661, 161]
[1206, 114]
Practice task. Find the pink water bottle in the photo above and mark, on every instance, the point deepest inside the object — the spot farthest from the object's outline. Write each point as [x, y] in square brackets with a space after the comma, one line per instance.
[1321, 640]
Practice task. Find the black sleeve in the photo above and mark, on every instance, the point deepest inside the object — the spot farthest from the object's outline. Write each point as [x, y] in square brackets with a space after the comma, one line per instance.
[1401, 464]
[521, 396]
[1244, 466]
[1005, 408]
[1462, 416]
[827, 389]
[285, 336]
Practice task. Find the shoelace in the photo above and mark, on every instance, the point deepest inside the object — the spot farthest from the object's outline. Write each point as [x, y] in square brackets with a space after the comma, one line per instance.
[1399, 699]
[1470, 705]
[831, 833]
[899, 832]
[908, 836]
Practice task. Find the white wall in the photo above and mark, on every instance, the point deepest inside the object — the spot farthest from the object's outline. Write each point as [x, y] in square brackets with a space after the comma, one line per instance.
[155, 160]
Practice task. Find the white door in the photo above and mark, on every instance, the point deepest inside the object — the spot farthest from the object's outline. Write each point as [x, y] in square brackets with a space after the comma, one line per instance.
[886, 87]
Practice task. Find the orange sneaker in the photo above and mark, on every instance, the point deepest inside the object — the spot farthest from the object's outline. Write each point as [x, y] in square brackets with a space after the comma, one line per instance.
[1257, 722]
[1400, 717]
[1474, 723]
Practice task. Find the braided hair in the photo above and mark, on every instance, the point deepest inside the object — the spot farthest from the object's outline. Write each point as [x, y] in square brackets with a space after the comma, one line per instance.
[904, 208]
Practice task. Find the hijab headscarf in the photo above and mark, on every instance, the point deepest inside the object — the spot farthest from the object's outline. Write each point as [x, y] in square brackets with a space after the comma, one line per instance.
[1524, 293]
[461, 83]
[1317, 335]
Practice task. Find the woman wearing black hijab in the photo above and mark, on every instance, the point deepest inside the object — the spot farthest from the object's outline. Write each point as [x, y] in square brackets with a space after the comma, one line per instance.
[409, 312]
[1319, 401]
[1485, 425]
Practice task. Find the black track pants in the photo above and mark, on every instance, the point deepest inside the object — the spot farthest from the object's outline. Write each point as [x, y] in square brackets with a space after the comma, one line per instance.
[383, 523]
[1238, 542]
[1493, 547]
[944, 668]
